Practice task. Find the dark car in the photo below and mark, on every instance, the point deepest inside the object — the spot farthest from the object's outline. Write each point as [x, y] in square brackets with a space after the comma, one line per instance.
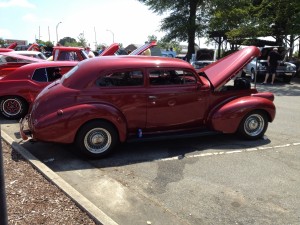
[109, 100]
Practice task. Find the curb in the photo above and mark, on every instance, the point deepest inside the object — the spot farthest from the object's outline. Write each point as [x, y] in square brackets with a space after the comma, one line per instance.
[82, 202]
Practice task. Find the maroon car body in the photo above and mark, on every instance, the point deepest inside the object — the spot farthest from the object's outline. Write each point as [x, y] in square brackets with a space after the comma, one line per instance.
[19, 88]
[107, 100]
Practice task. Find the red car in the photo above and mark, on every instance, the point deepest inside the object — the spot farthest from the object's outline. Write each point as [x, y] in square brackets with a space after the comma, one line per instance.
[10, 61]
[108, 100]
[19, 88]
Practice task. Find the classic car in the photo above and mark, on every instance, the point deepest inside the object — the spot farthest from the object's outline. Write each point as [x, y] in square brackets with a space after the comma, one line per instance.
[19, 88]
[109, 100]
[10, 61]
[258, 66]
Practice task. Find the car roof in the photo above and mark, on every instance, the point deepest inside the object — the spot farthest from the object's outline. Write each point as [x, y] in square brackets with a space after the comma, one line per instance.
[133, 61]
[27, 52]
[67, 48]
[93, 66]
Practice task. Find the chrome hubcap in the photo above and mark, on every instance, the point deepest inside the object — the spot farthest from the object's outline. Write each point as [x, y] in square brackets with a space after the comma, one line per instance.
[97, 140]
[254, 125]
[12, 107]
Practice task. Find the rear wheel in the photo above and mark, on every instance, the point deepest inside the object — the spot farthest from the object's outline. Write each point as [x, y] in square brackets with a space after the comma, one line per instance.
[97, 139]
[253, 125]
[13, 107]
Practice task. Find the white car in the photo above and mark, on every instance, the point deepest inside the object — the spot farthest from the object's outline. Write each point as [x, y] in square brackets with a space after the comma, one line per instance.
[285, 70]
[203, 57]
[34, 54]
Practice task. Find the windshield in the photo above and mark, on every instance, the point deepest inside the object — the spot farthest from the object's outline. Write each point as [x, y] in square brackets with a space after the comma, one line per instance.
[12, 59]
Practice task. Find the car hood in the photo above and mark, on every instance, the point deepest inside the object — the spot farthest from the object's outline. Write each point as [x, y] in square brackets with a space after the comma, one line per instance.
[265, 51]
[143, 48]
[111, 50]
[223, 70]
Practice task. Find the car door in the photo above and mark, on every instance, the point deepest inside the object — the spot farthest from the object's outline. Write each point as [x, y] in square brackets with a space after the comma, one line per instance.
[175, 100]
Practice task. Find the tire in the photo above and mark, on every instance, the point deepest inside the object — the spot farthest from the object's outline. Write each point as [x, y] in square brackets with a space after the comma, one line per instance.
[254, 125]
[287, 79]
[96, 139]
[13, 107]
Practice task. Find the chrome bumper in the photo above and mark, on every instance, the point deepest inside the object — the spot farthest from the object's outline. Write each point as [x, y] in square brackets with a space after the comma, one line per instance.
[25, 132]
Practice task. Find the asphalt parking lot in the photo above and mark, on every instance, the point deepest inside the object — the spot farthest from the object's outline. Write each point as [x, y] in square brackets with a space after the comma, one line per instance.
[206, 180]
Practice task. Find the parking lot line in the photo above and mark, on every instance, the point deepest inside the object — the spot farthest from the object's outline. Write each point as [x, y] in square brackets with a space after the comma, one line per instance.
[228, 152]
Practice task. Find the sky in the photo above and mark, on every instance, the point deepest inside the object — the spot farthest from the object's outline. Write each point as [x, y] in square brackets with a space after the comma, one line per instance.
[101, 21]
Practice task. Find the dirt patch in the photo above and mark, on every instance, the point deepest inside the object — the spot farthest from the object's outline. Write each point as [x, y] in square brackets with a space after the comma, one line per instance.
[32, 199]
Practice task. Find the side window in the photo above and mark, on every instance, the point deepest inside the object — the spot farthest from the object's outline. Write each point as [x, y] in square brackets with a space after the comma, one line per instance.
[171, 77]
[121, 79]
[40, 75]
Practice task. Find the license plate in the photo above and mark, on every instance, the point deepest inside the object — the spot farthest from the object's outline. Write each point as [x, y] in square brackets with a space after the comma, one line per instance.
[288, 74]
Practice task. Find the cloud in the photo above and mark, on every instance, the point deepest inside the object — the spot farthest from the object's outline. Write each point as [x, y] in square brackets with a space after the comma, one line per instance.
[17, 3]
[5, 33]
[29, 18]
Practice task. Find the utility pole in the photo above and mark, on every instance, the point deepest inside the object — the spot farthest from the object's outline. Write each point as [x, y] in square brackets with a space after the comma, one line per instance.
[3, 209]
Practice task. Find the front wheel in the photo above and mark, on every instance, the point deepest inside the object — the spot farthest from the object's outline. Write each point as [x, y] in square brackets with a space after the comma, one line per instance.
[13, 107]
[253, 125]
[96, 139]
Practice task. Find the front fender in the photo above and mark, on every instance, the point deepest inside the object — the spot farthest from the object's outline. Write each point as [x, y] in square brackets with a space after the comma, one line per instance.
[62, 125]
[227, 117]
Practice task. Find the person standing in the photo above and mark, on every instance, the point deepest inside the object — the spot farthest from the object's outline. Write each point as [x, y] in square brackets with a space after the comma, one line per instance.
[272, 61]
[89, 52]
[102, 49]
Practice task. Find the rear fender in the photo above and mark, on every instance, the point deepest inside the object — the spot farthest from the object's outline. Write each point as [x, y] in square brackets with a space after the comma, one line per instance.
[227, 117]
[66, 122]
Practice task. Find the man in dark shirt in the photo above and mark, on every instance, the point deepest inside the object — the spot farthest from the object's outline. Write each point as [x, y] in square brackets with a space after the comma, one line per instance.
[272, 65]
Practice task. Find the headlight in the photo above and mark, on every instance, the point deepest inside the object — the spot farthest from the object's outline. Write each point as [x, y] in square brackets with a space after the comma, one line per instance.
[261, 66]
[291, 68]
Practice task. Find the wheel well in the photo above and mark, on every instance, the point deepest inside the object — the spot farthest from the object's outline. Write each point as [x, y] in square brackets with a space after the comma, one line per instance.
[14, 96]
[264, 112]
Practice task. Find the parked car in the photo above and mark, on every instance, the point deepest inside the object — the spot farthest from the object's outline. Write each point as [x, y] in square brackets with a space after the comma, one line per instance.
[19, 88]
[285, 70]
[108, 100]
[34, 54]
[10, 61]
[203, 57]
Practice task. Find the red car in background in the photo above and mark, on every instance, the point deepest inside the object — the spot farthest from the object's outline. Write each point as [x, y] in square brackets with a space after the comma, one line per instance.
[19, 88]
[10, 62]
[104, 101]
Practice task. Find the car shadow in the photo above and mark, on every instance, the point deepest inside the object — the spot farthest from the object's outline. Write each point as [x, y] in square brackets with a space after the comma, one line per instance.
[60, 157]
[280, 88]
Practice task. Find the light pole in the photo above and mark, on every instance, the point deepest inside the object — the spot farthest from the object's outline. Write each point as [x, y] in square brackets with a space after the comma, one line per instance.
[57, 33]
[112, 35]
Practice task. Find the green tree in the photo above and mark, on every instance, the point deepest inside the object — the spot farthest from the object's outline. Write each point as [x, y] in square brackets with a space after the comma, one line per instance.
[280, 19]
[81, 40]
[183, 22]
[68, 41]
[2, 42]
